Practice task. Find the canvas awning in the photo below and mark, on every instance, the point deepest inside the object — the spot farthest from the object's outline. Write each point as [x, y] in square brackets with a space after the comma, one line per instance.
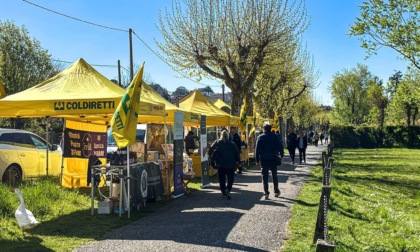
[78, 93]
[197, 103]
[190, 118]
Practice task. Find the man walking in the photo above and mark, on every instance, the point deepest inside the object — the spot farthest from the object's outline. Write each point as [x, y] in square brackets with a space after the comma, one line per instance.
[267, 148]
[291, 144]
[302, 144]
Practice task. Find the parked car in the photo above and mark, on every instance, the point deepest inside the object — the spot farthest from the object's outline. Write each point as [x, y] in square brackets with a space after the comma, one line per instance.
[141, 136]
[23, 155]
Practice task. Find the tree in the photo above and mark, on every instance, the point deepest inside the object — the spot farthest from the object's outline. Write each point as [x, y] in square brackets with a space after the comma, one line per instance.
[23, 62]
[181, 92]
[394, 24]
[229, 40]
[379, 101]
[348, 89]
[207, 91]
[406, 101]
[160, 90]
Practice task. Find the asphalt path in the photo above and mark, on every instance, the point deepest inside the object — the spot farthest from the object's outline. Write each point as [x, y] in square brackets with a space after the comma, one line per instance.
[205, 221]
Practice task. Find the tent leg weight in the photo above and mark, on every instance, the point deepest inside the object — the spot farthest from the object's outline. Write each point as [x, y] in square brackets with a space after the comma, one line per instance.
[324, 246]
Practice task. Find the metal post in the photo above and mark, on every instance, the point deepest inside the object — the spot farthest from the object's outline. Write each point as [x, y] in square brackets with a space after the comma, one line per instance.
[92, 191]
[121, 190]
[223, 92]
[119, 74]
[130, 31]
[47, 149]
[128, 182]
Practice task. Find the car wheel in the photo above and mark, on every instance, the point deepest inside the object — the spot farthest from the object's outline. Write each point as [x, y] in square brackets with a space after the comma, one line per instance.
[12, 176]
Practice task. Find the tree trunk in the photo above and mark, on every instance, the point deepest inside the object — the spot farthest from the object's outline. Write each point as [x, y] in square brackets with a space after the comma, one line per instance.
[416, 111]
[408, 114]
[235, 108]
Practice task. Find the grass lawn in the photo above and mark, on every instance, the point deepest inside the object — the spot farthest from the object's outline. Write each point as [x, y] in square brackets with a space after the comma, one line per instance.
[375, 202]
[64, 214]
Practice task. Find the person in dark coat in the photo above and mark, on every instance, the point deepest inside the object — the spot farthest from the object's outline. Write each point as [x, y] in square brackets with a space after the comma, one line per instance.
[236, 139]
[267, 149]
[302, 144]
[291, 144]
[226, 156]
[281, 142]
[190, 142]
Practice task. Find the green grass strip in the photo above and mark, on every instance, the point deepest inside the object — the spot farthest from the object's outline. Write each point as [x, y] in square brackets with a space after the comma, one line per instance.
[375, 202]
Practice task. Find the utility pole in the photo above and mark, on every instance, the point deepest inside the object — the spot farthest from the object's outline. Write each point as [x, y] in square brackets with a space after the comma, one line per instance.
[223, 92]
[130, 32]
[119, 73]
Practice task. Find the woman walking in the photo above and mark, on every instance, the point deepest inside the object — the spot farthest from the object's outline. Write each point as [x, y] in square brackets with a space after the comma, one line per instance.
[226, 157]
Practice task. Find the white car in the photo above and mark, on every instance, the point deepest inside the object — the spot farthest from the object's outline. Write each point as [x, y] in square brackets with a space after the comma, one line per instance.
[141, 135]
[23, 155]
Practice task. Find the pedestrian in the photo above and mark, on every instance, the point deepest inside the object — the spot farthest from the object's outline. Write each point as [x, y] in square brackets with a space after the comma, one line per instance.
[302, 144]
[225, 156]
[267, 149]
[236, 139]
[316, 138]
[281, 142]
[291, 144]
[326, 137]
[191, 142]
[322, 137]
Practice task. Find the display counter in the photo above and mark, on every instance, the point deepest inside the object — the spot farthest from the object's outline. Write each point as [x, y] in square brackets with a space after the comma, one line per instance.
[244, 154]
[197, 166]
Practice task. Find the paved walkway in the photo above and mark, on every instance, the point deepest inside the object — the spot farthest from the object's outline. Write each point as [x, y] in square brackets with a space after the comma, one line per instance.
[205, 221]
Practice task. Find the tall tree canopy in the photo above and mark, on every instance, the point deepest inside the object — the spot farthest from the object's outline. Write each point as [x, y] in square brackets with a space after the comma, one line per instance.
[390, 23]
[406, 100]
[23, 62]
[229, 40]
[161, 90]
[349, 90]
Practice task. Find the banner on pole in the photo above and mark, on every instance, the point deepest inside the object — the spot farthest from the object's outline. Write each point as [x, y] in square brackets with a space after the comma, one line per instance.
[205, 179]
[178, 154]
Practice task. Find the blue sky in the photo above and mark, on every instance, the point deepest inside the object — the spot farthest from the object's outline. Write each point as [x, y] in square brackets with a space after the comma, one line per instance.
[68, 40]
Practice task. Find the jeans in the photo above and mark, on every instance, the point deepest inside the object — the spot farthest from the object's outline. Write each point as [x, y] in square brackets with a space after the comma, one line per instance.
[265, 167]
[222, 173]
[302, 154]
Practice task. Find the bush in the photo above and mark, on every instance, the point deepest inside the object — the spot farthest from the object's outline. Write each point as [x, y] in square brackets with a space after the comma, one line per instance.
[370, 137]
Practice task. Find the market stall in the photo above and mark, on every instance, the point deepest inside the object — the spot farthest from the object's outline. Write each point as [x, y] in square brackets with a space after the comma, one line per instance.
[197, 103]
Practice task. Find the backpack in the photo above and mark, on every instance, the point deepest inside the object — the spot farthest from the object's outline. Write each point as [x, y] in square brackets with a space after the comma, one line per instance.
[214, 155]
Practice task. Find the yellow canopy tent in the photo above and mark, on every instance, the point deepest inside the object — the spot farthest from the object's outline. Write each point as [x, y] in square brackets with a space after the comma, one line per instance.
[190, 118]
[197, 103]
[222, 105]
[78, 93]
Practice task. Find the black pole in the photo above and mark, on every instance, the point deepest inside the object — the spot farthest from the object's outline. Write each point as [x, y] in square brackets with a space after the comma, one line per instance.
[119, 73]
[131, 55]
[223, 92]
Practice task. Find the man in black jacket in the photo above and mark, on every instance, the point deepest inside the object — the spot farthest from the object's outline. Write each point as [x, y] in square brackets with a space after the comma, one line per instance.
[225, 156]
[267, 149]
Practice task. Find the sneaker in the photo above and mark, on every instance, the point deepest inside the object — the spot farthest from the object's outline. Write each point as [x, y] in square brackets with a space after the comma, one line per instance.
[277, 194]
[266, 196]
[228, 195]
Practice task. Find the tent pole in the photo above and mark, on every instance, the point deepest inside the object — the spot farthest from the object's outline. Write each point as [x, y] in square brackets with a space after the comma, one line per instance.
[166, 158]
[62, 154]
[128, 181]
[47, 149]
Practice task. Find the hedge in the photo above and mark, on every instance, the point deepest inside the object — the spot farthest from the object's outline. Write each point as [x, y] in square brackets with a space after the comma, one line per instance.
[370, 137]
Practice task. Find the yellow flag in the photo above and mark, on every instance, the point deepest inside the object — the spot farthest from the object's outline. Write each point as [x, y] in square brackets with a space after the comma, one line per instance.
[2, 92]
[242, 116]
[124, 121]
[252, 131]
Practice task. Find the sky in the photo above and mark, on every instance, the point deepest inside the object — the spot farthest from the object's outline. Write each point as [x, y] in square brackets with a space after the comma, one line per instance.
[68, 40]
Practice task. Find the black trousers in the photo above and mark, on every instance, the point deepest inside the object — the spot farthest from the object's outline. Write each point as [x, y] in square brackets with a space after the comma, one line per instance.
[265, 168]
[222, 173]
[292, 152]
[302, 154]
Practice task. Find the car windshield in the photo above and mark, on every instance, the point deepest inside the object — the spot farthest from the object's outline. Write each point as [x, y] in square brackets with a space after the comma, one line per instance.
[140, 134]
